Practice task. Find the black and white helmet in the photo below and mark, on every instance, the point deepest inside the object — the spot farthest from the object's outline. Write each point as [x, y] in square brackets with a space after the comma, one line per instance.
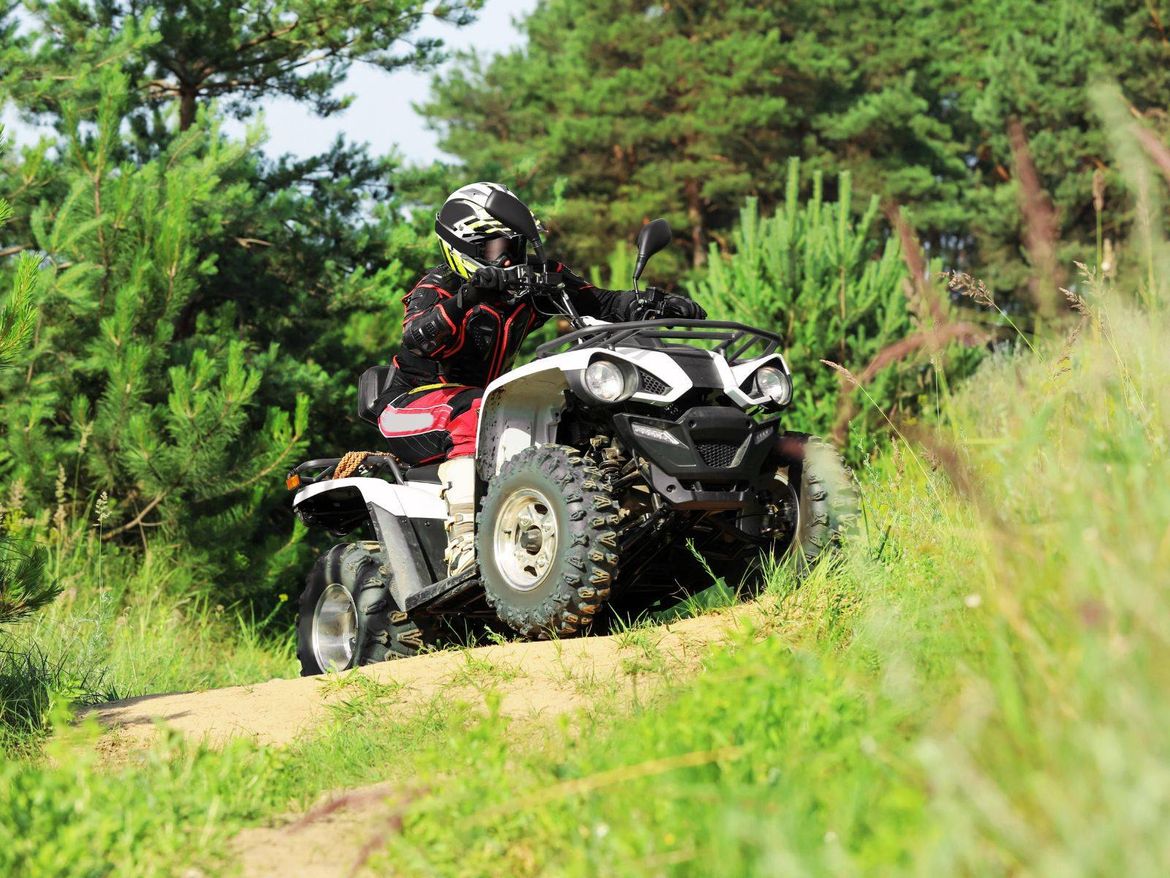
[464, 227]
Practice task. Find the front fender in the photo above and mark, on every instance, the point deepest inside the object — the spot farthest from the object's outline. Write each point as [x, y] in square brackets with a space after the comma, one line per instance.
[521, 409]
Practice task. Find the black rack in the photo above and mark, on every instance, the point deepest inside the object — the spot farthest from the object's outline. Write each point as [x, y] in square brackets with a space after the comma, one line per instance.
[734, 339]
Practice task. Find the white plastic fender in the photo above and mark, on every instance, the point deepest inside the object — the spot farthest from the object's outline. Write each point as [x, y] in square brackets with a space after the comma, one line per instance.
[523, 407]
[416, 500]
[390, 505]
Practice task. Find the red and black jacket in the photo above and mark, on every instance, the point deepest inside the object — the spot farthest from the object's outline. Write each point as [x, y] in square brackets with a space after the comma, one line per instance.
[445, 342]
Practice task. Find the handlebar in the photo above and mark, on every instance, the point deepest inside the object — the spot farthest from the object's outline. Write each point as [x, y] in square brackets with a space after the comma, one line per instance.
[527, 281]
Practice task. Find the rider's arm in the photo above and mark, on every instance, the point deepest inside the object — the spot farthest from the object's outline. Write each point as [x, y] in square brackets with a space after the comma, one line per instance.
[591, 301]
[433, 324]
[619, 305]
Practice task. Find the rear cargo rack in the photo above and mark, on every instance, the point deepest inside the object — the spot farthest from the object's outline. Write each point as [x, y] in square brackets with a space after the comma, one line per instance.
[733, 341]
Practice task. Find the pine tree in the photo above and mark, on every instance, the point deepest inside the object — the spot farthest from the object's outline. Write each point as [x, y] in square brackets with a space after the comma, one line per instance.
[235, 52]
[622, 110]
[24, 586]
[619, 111]
[171, 426]
[829, 285]
[216, 289]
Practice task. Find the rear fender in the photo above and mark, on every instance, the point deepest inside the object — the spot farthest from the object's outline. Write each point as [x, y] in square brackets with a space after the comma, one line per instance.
[397, 513]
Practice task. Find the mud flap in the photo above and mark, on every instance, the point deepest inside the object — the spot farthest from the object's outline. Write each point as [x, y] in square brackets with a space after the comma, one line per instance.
[410, 571]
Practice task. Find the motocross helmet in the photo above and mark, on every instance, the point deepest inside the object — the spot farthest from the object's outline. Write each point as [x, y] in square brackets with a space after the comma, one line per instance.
[464, 228]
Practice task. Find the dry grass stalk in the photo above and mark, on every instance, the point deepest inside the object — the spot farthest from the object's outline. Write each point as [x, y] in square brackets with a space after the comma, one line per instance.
[843, 372]
[614, 776]
[1064, 359]
[846, 404]
[1041, 227]
[1154, 148]
[930, 340]
[373, 797]
[921, 292]
[1075, 301]
[970, 287]
[935, 339]
[976, 290]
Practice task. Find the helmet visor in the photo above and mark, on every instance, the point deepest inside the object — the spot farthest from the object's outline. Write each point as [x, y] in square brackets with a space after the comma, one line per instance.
[504, 248]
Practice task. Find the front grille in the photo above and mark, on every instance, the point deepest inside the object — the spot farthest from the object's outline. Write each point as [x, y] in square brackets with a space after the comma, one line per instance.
[718, 455]
[652, 384]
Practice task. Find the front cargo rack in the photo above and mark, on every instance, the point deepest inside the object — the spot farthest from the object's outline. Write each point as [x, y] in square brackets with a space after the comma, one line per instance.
[733, 341]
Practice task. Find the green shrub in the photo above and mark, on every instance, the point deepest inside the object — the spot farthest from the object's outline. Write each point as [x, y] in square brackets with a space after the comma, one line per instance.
[831, 285]
[113, 398]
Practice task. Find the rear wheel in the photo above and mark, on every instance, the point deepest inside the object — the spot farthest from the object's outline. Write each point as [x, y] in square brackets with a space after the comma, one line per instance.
[546, 542]
[347, 616]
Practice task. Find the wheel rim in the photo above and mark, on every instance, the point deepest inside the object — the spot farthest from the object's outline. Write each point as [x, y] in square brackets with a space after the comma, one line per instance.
[334, 629]
[525, 539]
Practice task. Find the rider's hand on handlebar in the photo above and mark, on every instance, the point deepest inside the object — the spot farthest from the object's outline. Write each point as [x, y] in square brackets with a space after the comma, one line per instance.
[681, 306]
[490, 279]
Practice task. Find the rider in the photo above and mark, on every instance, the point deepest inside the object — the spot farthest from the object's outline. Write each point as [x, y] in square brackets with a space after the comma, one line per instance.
[460, 332]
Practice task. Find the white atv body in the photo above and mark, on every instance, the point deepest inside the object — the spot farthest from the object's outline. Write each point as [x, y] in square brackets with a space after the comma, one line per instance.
[648, 472]
[617, 472]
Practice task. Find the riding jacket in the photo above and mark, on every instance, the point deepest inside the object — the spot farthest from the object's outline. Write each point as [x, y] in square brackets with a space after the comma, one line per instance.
[446, 340]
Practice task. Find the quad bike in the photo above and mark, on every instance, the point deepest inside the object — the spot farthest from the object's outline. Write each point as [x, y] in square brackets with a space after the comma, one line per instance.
[617, 471]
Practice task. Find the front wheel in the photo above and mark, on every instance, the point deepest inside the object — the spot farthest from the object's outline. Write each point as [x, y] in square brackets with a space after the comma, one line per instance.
[546, 542]
[347, 616]
[827, 503]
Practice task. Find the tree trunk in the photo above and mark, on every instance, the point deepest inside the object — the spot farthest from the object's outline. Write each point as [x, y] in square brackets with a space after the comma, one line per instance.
[187, 95]
[695, 216]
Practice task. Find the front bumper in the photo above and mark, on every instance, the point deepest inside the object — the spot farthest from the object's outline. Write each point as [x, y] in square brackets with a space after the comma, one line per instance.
[710, 458]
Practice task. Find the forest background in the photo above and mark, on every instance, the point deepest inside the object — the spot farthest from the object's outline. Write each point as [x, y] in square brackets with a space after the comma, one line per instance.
[185, 317]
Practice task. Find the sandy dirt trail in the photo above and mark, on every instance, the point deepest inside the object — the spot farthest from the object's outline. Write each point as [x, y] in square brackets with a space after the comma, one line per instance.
[536, 681]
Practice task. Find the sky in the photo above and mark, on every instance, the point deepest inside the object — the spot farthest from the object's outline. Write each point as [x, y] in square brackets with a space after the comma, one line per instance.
[381, 113]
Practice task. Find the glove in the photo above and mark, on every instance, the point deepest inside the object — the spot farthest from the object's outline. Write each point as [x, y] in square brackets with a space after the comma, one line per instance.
[681, 306]
[626, 307]
[490, 279]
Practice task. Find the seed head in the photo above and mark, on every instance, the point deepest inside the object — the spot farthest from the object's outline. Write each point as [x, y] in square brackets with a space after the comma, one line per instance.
[970, 287]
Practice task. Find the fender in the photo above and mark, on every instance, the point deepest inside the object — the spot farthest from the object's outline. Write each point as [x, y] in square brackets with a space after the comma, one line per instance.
[524, 406]
[396, 513]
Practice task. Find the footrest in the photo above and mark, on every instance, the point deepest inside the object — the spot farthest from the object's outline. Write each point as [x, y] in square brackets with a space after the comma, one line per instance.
[443, 591]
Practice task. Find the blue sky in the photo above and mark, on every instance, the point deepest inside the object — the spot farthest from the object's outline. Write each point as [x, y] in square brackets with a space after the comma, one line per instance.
[381, 114]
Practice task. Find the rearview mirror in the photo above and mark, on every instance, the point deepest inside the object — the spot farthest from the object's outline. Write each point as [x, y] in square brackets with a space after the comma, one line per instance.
[514, 213]
[653, 237]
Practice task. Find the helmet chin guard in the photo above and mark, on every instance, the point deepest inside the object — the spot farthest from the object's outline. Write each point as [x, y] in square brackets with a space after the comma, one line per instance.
[464, 227]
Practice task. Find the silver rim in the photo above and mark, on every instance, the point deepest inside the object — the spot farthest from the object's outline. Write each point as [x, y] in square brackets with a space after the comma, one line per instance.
[525, 540]
[334, 629]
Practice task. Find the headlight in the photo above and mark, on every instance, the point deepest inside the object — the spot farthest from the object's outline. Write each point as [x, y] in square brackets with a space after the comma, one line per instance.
[606, 381]
[774, 384]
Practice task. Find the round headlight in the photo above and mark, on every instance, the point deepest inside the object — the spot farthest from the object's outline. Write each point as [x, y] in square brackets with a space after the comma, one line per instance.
[606, 381]
[774, 384]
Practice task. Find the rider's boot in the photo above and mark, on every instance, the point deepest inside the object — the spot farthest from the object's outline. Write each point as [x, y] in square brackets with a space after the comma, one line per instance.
[458, 479]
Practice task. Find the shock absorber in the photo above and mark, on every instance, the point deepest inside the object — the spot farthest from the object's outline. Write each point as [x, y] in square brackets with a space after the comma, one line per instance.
[607, 458]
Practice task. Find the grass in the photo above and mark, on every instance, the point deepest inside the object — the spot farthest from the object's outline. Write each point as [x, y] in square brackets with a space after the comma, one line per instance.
[173, 811]
[130, 636]
[480, 673]
[976, 687]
